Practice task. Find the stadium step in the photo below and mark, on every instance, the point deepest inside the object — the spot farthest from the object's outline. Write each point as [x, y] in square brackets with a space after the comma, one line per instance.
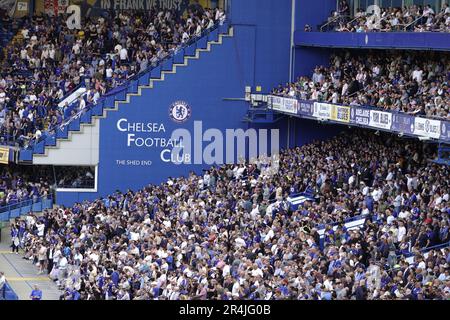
[148, 81]
[22, 274]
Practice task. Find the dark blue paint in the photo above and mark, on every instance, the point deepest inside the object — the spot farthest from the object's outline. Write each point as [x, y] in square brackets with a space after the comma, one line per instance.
[257, 55]
[383, 40]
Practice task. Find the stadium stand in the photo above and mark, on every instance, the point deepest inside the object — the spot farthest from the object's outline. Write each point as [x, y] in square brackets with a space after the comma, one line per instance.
[241, 234]
[416, 83]
[355, 206]
[21, 190]
[39, 71]
[410, 18]
[20, 186]
[25, 188]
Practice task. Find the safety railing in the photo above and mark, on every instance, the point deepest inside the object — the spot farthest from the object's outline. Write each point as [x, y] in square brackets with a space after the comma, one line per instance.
[336, 19]
[412, 23]
[7, 293]
[365, 106]
[354, 19]
[15, 210]
[129, 83]
[425, 250]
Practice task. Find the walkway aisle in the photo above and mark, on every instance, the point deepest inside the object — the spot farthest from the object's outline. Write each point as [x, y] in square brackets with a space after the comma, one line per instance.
[22, 275]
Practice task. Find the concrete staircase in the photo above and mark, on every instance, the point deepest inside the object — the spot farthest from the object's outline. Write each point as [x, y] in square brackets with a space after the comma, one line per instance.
[111, 101]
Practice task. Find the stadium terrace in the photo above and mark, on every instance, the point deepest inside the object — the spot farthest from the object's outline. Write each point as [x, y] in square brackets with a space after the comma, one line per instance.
[227, 150]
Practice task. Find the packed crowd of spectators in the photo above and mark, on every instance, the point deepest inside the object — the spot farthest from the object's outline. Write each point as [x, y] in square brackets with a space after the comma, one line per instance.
[21, 185]
[75, 177]
[412, 82]
[413, 18]
[46, 61]
[231, 234]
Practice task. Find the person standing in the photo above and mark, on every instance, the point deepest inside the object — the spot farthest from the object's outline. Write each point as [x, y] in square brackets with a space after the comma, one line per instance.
[2, 286]
[15, 241]
[82, 103]
[36, 294]
[62, 267]
[42, 255]
[361, 291]
[50, 252]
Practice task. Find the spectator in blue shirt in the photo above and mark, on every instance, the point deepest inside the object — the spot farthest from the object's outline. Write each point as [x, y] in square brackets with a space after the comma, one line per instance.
[191, 239]
[36, 294]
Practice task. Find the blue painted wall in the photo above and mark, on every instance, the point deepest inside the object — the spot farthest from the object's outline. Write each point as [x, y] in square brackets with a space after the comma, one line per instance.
[303, 131]
[306, 59]
[270, 22]
[381, 40]
[221, 73]
[257, 55]
[313, 13]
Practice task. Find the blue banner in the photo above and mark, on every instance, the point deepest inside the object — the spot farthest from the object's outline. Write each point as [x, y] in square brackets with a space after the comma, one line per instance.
[403, 123]
[305, 107]
[104, 7]
[365, 117]
[445, 131]
[401, 40]
[360, 116]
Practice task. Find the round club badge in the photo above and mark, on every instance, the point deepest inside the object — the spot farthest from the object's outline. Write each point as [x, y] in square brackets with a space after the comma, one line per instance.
[180, 111]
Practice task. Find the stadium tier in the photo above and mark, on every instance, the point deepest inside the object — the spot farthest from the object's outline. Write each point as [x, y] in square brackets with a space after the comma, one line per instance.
[413, 83]
[415, 16]
[39, 69]
[225, 150]
[229, 233]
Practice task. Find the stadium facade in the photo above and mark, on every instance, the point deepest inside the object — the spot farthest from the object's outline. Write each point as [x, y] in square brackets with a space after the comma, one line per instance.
[222, 79]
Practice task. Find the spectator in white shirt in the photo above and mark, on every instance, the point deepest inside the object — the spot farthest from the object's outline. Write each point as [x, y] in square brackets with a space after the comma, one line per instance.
[82, 103]
[123, 54]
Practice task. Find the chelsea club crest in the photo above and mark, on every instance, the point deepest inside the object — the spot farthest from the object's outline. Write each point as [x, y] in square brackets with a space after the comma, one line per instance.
[180, 111]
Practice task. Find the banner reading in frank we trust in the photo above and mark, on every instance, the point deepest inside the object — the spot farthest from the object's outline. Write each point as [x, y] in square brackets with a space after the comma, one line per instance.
[4, 155]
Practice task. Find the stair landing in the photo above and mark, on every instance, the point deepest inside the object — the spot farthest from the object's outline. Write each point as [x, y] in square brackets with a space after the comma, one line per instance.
[22, 275]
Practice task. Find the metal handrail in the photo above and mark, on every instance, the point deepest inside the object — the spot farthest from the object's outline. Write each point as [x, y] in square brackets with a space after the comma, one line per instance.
[354, 19]
[415, 21]
[382, 19]
[425, 250]
[334, 20]
[128, 82]
[354, 93]
[5, 211]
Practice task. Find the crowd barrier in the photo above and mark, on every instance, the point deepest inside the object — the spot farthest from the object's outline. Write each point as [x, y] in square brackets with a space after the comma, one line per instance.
[382, 40]
[119, 93]
[16, 210]
[7, 293]
[363, 116]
